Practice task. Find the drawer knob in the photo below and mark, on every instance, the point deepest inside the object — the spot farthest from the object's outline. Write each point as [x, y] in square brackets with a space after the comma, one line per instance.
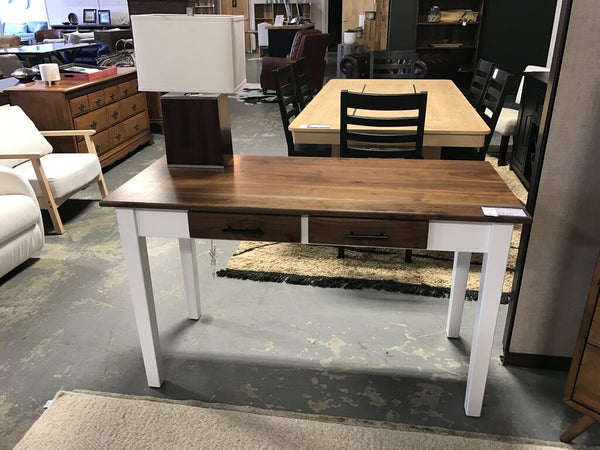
[93, 124]
[134, 107]
[125, 91]
[254, 231]
[115, 114]
[98, 146]
[136, 126]
[81, 107]
[112, 95]
[118, 136]
[380, 236]
[98, 101]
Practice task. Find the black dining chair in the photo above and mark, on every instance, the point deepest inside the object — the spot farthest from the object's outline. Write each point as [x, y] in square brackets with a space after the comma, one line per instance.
[304, 91]
[479, 82]
[398, 134]
[289, 109]
[392, 64]
[489, 110]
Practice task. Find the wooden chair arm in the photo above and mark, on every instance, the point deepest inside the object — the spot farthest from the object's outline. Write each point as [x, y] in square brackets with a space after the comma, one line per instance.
[85, 133]
[21, 155]
[68, 132]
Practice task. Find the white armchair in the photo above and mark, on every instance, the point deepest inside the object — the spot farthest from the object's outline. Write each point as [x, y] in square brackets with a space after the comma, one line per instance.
[54, 177]
[21, 226]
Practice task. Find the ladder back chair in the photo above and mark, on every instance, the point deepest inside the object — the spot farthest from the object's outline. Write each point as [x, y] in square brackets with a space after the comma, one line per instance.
[392, 64]
[479, 82]
[304, 91]
[289, 109]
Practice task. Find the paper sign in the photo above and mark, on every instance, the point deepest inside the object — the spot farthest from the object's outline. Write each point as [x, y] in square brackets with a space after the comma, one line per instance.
[491, 211]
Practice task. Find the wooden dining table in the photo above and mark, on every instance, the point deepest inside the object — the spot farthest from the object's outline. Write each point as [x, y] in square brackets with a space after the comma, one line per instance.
[450, 119]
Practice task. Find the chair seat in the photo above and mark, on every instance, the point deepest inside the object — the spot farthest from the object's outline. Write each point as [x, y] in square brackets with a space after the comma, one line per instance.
[66, 172]
[507, 122]
[17, 213]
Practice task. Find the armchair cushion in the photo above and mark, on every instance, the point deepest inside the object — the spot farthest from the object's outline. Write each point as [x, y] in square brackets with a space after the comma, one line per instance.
[21, 226]
[66, 172]
[19, 136]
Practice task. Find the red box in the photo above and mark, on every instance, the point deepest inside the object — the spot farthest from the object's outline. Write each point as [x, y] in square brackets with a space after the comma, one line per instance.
[67, 73]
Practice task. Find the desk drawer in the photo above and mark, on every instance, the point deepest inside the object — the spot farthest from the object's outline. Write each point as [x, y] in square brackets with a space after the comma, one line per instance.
[368, 232]
[250, 227]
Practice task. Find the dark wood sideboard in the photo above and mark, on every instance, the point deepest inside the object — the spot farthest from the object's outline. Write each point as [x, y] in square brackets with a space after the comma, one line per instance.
[112, 106]
[582, 390]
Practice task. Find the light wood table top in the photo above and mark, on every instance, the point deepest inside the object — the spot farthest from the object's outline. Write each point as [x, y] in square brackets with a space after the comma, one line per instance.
[450, 120]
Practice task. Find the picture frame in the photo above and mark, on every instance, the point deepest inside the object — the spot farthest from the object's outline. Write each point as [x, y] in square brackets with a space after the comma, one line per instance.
[89, 16]
[104, 16]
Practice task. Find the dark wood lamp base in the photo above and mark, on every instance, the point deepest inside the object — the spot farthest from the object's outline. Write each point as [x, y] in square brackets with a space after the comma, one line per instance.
[197, 130]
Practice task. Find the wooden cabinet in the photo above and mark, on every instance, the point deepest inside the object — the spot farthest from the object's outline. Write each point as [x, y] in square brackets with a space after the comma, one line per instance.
[112, 106]
[452, 42]
[528, 125]
[582, 390]
[266, 12]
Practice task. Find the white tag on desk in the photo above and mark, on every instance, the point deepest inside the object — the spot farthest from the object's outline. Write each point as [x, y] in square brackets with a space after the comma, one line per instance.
[318, 125]
[492, 211]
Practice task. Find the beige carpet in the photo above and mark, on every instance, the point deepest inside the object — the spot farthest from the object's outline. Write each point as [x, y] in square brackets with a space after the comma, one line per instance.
[94, 420]
[429, 273]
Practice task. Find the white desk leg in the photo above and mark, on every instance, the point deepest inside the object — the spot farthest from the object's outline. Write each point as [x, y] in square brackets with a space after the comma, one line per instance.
[460, 273]
[189, 263]
[135, 254]
[488, 303]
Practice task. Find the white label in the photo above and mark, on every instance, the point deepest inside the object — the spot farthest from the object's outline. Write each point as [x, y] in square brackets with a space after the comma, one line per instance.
[502, 212]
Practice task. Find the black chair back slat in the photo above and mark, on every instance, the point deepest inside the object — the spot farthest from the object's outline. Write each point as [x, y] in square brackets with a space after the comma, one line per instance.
[304, 92]
[479, 82]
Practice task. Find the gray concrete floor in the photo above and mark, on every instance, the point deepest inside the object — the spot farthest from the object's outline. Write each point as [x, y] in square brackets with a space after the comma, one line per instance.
[67, 323]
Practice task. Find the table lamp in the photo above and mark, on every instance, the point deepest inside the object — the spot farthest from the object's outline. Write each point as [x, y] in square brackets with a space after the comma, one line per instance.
[195, 60]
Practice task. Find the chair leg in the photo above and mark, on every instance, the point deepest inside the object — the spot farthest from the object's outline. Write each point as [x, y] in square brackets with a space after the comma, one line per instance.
[341, 252]
[408, 255]
[102, 185]
[503, 150]
[47, 201]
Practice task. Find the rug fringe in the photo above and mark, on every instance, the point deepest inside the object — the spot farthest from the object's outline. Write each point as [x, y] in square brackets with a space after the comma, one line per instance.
[349, 283]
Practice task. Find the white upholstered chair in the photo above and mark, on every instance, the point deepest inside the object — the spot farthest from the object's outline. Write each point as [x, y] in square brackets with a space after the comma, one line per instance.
[507, 122]
[54, 177]
[21, 226]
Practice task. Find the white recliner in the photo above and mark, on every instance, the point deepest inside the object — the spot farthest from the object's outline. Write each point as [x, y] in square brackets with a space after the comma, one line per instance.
[21, 226]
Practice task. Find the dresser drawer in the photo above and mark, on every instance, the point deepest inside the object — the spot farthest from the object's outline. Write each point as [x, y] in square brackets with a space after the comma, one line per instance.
[101, 143]
[135, 125]
[96, 99]
[368, 232]
[128, 88]
[133, 105]
[251, 227]
[587, 386]
[79, 105]
[96, 120]
[111, 94]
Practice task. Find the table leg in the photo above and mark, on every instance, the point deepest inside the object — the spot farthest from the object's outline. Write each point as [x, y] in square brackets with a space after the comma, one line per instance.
[335, 150]
[460, 273]
[189, 263]
[486, 315]
[432, 152]
[135, 254]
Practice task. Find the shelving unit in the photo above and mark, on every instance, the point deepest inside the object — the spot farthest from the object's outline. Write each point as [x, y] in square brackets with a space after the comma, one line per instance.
[266, 12]
[456, 42]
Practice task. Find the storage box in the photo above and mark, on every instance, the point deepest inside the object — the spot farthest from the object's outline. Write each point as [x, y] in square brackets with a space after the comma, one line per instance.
[84, 72]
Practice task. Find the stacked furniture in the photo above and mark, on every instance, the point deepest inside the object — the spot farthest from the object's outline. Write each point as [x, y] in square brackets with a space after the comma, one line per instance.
[111, 105]
[21, 229]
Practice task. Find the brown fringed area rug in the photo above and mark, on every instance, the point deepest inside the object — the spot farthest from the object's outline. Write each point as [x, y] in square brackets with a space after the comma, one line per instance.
[429, 273]
[96, 420]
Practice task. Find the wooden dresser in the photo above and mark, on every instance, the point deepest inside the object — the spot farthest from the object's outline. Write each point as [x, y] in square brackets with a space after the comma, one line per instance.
[582, 391]
[112, 106]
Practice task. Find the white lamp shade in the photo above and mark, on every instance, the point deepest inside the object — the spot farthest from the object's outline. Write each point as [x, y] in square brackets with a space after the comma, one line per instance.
[180, 53]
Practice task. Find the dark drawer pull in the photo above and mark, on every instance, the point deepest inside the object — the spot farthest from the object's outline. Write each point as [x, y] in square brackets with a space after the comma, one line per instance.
[366, 236]
[230, 229]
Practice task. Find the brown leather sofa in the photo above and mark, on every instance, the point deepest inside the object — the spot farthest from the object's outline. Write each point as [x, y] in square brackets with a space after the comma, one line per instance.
[309, 44]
